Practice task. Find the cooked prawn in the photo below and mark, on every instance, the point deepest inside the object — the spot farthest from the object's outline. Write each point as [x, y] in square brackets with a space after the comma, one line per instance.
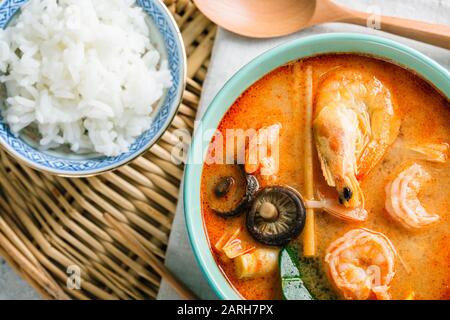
[332, 207]
[262, 151]
[361, 264]
[402, 202]
[335, 131]
[355, 123]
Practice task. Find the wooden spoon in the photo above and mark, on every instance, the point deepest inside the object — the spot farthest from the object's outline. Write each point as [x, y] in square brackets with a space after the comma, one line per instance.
[272, 18]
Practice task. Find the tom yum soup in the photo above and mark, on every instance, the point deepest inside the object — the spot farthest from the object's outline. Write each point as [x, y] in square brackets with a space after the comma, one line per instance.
[337, 187]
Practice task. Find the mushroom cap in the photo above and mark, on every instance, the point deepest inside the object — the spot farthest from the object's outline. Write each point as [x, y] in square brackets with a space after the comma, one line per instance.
[277, 215]
[230, 191]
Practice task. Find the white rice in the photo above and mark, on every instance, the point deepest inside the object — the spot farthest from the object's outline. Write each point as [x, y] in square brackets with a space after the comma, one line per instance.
[84, 73]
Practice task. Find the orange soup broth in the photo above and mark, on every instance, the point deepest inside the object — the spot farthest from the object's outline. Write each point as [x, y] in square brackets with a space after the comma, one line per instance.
[423, 265]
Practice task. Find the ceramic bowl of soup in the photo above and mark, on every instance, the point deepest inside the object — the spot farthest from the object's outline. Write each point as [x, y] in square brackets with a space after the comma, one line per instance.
[355, 192]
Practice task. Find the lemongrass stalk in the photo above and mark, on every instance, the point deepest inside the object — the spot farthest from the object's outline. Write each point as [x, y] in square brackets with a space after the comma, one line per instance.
[309, 238]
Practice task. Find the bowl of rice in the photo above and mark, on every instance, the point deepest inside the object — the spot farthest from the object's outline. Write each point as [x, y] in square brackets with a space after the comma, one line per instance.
[87, 85]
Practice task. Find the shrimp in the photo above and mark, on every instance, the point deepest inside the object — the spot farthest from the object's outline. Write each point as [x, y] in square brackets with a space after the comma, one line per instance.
[402, 203]
[335, 131]
[262, 151]
[354, 124]
[332, 207]
[361, 264]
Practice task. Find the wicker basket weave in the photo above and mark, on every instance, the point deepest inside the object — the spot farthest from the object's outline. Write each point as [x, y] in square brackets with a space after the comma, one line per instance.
[48, 224]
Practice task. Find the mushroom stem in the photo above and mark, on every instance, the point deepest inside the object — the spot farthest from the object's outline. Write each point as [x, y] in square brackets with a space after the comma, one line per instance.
[224, 186]
[268, 211]
[276, 216]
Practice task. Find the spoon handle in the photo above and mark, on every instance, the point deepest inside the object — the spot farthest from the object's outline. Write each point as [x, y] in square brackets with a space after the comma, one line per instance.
[436, 34]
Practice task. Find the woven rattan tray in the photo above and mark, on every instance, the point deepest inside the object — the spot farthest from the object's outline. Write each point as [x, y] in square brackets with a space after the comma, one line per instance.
[48, 224]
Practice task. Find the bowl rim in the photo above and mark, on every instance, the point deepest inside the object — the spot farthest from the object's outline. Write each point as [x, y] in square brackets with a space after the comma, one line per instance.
[426, 67]
[158, 136]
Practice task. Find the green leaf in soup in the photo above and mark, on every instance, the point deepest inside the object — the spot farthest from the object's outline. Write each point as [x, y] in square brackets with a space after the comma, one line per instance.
[302, 278]
[294, 289]
[292, 285]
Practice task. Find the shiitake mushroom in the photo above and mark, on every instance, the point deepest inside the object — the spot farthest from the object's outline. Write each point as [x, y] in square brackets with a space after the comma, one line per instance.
[230, 191]
[276, 216]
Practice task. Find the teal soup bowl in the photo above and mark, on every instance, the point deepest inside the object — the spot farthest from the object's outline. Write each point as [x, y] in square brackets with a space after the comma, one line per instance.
[377, 47]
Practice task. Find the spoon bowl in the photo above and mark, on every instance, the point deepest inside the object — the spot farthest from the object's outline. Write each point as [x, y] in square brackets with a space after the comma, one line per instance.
[270, 18]
[259, 18]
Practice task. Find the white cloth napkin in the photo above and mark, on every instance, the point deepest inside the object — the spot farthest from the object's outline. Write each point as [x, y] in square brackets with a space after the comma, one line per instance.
[232, 52]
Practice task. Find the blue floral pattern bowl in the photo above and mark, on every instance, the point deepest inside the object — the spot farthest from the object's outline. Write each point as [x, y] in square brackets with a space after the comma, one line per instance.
[65, 163]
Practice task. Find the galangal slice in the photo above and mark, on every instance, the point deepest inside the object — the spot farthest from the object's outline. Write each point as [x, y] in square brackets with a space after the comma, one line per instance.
[355, 122]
